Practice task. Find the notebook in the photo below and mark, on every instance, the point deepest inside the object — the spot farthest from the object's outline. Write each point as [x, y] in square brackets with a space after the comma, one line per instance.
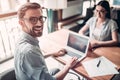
[76, 45]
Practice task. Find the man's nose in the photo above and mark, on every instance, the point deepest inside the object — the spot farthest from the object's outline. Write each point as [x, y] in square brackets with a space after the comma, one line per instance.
[39, 22]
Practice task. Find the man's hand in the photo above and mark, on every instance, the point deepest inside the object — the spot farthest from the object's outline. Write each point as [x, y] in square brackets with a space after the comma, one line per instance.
[71, 63]
[60, 53]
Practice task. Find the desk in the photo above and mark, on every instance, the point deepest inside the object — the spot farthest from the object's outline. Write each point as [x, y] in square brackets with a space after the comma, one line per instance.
[60, 37]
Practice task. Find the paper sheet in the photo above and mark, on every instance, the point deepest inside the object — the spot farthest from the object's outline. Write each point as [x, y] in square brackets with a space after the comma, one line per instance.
[106, 67]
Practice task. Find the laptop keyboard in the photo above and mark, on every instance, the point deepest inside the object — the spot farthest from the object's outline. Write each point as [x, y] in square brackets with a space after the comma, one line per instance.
[72, 54]
[69, 55]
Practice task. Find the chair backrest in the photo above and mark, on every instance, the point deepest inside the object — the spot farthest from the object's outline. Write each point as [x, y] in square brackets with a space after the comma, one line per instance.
[8, 75]
[116, 76]
[115, 15]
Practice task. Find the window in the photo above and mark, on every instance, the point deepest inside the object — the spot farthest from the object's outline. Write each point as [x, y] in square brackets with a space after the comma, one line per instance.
[115, 3]
[9, 27]
[10, 5]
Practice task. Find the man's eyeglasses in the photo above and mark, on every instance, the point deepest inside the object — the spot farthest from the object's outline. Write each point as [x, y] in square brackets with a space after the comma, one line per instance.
[34, 20]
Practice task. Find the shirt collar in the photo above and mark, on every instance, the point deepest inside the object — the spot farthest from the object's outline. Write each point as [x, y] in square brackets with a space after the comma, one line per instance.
[30, 39]
[105, 22]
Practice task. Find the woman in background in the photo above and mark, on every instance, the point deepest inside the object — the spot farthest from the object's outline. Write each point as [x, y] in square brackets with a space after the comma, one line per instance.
[103, 30]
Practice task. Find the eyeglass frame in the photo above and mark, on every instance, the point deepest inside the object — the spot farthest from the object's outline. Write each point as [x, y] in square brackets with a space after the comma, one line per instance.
[100, 11]
[40, 18]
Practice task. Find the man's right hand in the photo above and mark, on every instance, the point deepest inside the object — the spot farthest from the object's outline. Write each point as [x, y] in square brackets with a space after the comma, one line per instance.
[72, 62]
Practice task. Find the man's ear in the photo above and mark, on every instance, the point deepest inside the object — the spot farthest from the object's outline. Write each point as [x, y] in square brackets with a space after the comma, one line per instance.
[21, 22]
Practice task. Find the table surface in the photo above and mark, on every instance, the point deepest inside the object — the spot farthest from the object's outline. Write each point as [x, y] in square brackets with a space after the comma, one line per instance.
[60, 37]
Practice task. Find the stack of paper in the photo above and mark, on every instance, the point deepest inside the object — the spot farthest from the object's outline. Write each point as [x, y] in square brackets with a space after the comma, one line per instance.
[99, 67]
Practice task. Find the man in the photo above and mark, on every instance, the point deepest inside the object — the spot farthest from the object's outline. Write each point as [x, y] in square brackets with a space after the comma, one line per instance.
[29, 61]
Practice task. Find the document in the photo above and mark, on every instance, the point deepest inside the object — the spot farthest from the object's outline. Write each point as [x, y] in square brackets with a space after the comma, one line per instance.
[100, 66]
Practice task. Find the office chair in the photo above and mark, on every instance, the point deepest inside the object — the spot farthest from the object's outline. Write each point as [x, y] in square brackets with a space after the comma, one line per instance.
[8, 75]
[116, 76]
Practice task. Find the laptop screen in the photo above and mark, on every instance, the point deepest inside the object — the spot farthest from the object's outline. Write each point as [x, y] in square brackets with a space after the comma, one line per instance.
[78, 42]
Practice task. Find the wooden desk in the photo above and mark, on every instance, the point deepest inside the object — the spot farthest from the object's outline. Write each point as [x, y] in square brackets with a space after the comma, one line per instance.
[60, 37]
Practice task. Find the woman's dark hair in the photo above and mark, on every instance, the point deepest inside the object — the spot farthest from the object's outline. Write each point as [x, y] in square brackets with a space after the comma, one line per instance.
[106, 6]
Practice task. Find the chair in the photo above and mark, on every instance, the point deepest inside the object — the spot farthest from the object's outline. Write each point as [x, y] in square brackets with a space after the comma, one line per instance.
[116, 76]
[8, 75]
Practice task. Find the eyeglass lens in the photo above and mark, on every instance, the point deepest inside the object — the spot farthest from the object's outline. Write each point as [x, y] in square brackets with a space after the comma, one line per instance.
[34, 20]
[100, 11]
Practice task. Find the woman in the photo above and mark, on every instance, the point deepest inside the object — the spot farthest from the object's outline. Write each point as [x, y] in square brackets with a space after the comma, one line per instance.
[103, 30]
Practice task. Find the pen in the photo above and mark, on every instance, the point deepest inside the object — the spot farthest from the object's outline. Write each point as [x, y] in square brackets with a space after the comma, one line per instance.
[98, 64]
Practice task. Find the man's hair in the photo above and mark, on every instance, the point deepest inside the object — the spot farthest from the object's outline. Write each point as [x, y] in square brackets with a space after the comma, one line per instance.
[22, 10]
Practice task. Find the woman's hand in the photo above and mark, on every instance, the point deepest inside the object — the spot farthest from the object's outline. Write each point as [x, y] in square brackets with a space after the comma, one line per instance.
[94, 44]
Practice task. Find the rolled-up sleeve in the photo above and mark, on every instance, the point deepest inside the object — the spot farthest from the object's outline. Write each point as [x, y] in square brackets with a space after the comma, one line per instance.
[113, 25]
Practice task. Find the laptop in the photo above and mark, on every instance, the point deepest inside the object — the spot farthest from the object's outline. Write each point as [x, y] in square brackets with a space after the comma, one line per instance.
[76, 45]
